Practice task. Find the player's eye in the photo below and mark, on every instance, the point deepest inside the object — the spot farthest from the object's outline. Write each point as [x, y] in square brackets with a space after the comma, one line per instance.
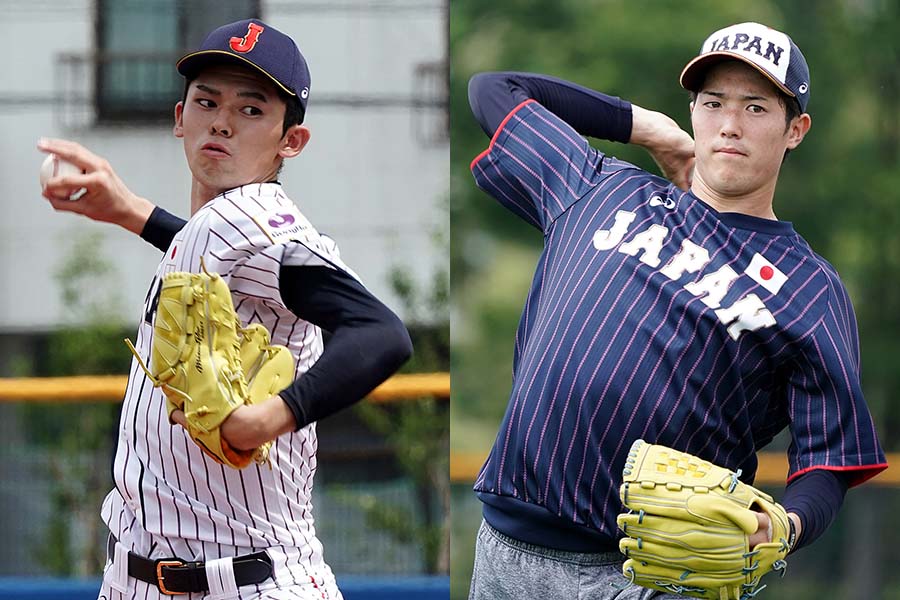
[251, 111]
[712, 104]
[206, 103]
[756, 108]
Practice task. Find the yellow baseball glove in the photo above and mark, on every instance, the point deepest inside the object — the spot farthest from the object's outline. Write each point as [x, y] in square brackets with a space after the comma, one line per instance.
[208, 365]
[690, 523]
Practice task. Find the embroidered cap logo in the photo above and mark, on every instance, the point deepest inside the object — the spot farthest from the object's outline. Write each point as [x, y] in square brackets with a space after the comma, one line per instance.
[246, 44]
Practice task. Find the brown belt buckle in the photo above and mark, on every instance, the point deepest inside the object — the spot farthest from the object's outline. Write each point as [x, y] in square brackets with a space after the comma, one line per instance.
[160, 579]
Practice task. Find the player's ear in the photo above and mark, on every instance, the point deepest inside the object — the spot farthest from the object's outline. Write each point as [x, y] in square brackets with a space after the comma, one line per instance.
[178, 129]
[293, 141]
[797, 130]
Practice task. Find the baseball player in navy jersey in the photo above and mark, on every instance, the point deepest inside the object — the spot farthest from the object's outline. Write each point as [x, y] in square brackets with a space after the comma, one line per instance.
[680, 311]
[181, 523]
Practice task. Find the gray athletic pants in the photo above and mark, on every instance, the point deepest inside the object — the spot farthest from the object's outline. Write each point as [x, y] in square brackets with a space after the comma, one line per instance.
[509, 569]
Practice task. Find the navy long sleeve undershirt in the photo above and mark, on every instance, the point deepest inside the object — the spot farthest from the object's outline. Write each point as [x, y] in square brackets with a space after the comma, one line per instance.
[492, 96]
[368, 341]
[816, 497]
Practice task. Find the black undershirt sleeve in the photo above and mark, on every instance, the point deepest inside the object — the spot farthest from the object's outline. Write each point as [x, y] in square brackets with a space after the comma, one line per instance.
[368, 342]
[493, 96]
[161, 227]
[816, 497]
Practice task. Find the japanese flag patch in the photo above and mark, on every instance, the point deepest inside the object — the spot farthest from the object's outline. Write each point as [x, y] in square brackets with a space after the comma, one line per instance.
[765, 273]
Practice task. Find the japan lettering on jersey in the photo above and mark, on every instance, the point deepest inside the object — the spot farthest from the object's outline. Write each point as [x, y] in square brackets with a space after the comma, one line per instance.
[170, 498]
[653, 316]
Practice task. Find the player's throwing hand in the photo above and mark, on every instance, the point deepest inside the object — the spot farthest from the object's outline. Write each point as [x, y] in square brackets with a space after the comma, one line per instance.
[671, 147]
[106, 198]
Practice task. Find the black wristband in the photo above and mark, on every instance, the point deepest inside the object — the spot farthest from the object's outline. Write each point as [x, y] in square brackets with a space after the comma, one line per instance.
[161, 227]
[792, 534]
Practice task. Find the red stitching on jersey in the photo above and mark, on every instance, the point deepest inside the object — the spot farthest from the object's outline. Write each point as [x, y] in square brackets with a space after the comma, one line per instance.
[497, 133]
[872, 471]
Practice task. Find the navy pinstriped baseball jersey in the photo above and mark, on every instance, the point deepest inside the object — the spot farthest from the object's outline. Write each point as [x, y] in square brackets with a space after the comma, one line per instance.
[653, 316]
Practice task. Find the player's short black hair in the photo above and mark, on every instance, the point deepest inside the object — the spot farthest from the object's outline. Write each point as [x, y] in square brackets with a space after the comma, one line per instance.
[791, 109]
[293, 112]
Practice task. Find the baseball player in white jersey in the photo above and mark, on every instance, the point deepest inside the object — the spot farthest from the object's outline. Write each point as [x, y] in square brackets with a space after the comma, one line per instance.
[179, 522]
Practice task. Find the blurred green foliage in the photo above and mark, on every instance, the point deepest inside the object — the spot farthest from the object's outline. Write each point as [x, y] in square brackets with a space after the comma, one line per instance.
[840, 187]
[418, 430]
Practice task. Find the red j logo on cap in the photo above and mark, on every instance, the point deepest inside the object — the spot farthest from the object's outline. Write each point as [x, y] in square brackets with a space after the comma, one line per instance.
[765, 273]
[246, 43]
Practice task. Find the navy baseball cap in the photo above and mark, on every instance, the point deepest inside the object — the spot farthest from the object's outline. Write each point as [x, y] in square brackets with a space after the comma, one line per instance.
[254, 44]
[767, 50]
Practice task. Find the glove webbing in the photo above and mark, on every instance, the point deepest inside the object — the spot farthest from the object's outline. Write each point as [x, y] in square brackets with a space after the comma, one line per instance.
[201, 410]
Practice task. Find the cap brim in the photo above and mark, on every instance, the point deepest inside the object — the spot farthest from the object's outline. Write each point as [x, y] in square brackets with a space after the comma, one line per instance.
[191, 64]
[692, 74]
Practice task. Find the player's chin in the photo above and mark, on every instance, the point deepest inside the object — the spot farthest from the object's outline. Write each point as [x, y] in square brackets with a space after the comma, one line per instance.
[217, 180]
[211, 170]
[731, 183]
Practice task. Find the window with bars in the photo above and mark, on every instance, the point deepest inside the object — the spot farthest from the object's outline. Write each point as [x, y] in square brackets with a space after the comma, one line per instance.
[431, 103]
[138, 43]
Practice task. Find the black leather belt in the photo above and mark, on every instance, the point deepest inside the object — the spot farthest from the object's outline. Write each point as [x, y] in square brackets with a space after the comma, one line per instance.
[174, 576]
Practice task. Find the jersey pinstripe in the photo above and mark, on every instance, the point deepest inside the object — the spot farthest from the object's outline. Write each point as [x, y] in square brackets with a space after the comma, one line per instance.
[170, 499]
[653, 316]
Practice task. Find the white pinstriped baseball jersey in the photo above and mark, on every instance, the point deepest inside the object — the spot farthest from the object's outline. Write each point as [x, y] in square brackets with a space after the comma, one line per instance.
[170, 499]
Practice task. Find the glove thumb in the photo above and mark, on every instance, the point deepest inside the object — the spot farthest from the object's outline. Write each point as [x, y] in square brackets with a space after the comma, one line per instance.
[714, 508]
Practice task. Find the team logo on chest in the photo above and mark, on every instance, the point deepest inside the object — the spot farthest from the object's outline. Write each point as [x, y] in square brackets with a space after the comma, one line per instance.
[748, 313]
[286, 223]
[657, 200]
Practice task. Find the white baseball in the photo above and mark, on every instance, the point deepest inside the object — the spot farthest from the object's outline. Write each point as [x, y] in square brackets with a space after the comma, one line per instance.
[54, 166]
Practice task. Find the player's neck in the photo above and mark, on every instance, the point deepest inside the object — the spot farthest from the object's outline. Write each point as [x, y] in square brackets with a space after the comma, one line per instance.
[757, 203]
[200, 195]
